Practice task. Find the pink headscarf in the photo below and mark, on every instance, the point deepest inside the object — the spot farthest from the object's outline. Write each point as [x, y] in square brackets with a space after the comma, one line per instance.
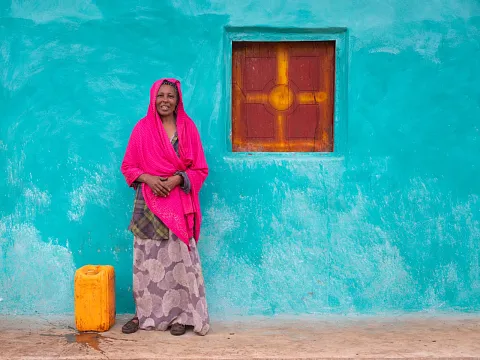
[149, 151]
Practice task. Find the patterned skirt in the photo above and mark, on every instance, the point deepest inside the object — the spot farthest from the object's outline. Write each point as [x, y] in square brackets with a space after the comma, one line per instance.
[168, 285]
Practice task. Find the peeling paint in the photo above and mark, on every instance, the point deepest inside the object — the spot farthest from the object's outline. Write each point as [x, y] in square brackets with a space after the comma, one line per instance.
[35, 273]
[92, 190]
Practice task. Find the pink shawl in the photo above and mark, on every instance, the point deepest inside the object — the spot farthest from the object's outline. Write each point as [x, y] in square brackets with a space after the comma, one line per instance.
[150, 151]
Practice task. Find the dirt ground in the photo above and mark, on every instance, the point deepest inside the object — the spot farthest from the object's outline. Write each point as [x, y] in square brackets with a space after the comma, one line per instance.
[411, 337]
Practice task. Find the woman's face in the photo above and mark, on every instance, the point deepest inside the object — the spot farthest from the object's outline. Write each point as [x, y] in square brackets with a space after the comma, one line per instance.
[166, 101]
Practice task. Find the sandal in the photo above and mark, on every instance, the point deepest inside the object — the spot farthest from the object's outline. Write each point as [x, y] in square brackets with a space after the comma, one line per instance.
[178, 329]
[131, 326]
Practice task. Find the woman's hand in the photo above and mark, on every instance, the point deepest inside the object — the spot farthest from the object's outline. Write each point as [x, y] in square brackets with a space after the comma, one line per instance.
[156, 183]
[172, 182]
[161, 186]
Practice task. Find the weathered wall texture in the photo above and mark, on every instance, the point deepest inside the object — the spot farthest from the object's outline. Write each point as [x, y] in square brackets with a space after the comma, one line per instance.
[391, 225]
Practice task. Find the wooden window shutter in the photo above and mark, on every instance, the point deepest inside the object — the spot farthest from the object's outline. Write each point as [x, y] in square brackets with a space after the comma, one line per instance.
[283, 96]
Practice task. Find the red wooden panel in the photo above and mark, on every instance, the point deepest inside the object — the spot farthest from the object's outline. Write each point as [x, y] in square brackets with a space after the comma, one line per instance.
[283, 96]
[304, 72]
[301, 122]
[259, 129]
[324, 138]
[258, 72]
[259, 49]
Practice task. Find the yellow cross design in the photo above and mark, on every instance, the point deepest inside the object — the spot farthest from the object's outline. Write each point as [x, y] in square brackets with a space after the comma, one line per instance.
[281, 97]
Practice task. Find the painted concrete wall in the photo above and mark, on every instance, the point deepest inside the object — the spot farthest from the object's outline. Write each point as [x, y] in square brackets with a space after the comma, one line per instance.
[390, 224]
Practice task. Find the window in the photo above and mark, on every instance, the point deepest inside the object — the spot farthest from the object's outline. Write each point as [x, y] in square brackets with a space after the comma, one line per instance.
[283, 96]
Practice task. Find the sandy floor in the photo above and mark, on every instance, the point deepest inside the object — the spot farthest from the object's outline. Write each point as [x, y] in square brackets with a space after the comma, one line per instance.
[250, 338]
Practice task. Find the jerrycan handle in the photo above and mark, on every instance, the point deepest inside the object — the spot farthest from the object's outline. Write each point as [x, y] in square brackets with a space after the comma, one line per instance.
[92, 271]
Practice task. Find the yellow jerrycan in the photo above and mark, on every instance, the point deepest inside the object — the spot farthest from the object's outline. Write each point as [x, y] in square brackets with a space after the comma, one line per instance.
[94, 298]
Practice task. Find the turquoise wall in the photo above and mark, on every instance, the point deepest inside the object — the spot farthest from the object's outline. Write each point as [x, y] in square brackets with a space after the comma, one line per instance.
[389, 223]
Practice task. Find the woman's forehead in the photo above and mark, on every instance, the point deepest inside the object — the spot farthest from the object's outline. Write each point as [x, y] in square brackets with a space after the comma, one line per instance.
[166, 88]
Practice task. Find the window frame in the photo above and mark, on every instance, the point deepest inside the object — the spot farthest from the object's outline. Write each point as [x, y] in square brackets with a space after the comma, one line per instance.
[339, 35]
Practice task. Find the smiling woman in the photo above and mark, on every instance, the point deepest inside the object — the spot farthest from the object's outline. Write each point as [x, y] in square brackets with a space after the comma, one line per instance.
[166, 104]
[165, 163]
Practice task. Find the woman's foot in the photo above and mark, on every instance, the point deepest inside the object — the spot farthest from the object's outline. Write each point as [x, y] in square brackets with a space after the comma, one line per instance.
[131, 326]
[177, 329]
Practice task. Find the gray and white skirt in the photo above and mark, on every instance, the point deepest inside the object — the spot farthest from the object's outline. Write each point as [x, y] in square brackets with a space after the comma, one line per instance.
[168, 285]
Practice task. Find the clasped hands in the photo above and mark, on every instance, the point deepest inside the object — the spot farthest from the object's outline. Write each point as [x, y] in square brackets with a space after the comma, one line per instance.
[161, 186]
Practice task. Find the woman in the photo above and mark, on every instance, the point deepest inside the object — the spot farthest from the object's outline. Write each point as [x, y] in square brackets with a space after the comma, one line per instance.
[165, 163]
